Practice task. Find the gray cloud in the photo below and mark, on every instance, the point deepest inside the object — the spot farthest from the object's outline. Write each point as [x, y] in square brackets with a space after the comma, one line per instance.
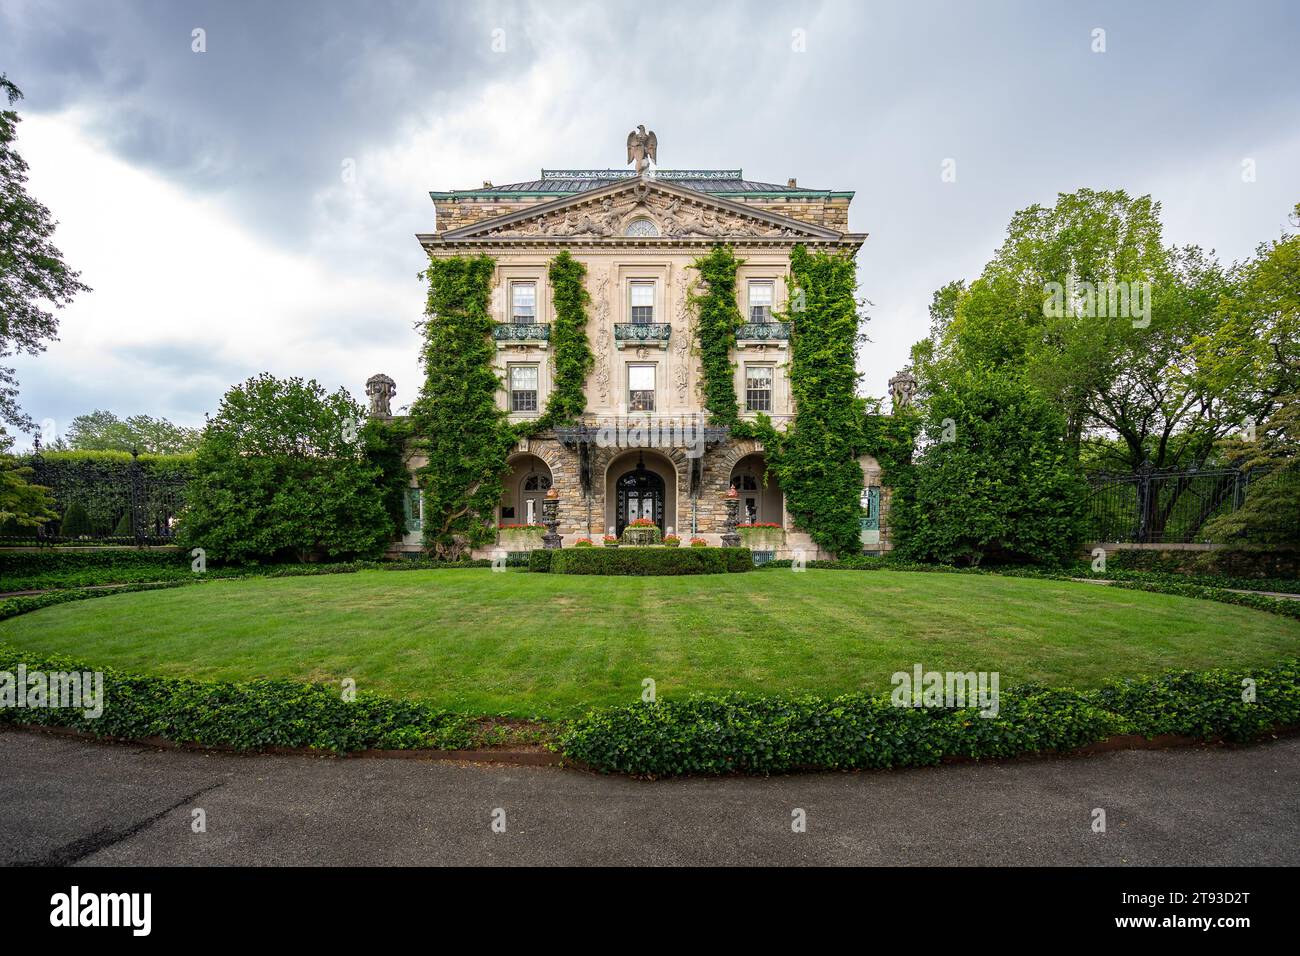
[1012, 91]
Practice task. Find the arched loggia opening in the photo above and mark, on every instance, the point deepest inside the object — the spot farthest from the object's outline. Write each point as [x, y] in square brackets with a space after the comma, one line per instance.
[524, 491]
[761, 500]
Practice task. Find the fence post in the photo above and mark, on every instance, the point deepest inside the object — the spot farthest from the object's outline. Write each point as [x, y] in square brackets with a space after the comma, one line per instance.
[137, 498]
[1143, 491]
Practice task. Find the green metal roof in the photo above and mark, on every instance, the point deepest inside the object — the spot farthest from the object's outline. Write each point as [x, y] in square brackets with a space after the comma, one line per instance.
[721, 182]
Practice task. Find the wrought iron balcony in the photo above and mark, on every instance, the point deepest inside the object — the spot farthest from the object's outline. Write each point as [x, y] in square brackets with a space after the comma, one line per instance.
[505, 332]
[652, 333]
[763, 332]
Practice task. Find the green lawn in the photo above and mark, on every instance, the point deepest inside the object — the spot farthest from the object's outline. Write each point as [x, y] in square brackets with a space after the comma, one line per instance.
[548, 645]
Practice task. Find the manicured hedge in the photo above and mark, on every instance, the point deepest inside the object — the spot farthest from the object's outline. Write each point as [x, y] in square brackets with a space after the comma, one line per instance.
[248, 715]
[647, 561]
[539, 561]
[62, 568]
[736, 733]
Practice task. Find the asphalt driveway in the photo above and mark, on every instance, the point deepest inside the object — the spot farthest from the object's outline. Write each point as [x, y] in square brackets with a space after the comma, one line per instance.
[65, 801]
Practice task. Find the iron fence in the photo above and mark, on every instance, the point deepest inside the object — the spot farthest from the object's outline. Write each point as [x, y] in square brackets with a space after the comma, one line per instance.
[124, 502]
[1155, 506]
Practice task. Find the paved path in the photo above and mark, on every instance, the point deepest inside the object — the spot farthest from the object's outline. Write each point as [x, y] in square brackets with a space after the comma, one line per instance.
[72, 801]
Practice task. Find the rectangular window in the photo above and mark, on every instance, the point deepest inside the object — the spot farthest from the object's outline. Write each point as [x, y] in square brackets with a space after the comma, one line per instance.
[414, 508]
[758, 388]
[643, 302]
[523, 388]
[760, 301]
[523, 303]
[641, 388]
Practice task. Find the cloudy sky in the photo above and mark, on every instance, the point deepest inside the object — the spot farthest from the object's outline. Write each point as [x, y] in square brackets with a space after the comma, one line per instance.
[201, 193]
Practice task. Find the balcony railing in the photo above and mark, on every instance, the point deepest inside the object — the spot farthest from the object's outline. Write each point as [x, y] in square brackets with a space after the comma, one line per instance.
[763, 332]
[655, 333]
[522, 332]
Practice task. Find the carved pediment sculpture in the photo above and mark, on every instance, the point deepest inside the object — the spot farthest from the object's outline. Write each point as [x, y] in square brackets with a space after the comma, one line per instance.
[675, 216]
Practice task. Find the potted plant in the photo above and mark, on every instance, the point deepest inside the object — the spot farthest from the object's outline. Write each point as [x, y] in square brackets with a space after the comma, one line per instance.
[583, 543]
[520, 537]
[611, 541]
[761, 535]
[699, 543]
[672, 541]
[641, 532]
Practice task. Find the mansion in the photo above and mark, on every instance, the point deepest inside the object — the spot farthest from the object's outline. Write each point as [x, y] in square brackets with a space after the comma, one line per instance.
[642, 450]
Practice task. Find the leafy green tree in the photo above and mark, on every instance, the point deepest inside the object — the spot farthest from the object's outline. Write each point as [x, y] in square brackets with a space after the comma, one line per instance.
[282, 471]
[22, 504]
[102, 430]
[33, 274]
[1086, 302]
[1253, 353]
[994, 479]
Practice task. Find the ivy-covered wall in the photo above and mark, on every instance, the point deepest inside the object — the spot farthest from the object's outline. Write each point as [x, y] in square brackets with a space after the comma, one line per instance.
[457, 426]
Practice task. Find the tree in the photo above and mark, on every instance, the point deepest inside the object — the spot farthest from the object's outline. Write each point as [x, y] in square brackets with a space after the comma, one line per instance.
[22, 504]
[282, 471]
[994, 479]
[103, 431]
[32, 271]
[75, 523]
[1086, 302]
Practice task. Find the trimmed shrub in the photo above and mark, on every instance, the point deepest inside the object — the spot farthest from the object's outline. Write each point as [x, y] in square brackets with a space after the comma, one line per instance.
[738, 733]
[539, 560]
[75, 521]
[77, 568]
[650, 561]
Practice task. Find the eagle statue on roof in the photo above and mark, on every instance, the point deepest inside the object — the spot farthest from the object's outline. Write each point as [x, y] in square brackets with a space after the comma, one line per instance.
[641, 147]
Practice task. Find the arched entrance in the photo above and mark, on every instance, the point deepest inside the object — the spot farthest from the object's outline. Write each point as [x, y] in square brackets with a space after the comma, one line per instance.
[640, 494]
[524, 491]
[759, 493]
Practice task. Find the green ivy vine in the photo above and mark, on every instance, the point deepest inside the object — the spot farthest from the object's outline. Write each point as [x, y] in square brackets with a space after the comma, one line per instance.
[456, 422]
[717, 319]
[573, 355]
[816, 461]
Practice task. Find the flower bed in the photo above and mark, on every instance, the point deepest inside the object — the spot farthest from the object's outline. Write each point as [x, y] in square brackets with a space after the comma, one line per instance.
[520, 537]
[761, 536]
[641, 533]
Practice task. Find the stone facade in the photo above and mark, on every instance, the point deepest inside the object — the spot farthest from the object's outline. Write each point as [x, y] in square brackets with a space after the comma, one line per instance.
[637, 236]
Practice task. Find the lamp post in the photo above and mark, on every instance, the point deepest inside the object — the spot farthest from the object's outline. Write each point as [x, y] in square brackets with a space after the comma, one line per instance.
[551, 518]
[730, 539]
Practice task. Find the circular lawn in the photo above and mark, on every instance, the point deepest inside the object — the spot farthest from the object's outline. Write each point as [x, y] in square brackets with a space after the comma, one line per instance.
[550, 645]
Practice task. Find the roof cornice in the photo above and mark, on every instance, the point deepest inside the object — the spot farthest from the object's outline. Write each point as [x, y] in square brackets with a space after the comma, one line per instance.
[809, 230]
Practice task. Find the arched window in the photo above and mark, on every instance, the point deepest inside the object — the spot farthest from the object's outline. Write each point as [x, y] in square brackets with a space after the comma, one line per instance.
[535, 482]
[641, 228]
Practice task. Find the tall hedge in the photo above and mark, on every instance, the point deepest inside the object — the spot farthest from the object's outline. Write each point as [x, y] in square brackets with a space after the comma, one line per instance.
[995, 479]
[282, 472]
